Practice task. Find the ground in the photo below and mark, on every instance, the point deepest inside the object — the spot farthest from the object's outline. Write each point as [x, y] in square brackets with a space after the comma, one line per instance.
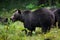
[13, 32]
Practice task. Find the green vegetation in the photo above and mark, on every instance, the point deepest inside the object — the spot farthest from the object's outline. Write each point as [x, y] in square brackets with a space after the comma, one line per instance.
[13, 31]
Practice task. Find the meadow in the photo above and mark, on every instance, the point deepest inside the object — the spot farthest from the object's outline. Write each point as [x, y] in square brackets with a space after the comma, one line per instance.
[13, 31]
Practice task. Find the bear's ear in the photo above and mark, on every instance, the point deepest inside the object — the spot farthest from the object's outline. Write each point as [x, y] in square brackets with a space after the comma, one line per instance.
[19, 11]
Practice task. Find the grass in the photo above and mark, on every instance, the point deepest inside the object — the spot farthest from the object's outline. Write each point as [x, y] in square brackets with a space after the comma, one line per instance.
[13, 32]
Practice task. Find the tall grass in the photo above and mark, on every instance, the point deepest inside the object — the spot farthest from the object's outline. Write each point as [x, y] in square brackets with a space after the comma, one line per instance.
[13, 31]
